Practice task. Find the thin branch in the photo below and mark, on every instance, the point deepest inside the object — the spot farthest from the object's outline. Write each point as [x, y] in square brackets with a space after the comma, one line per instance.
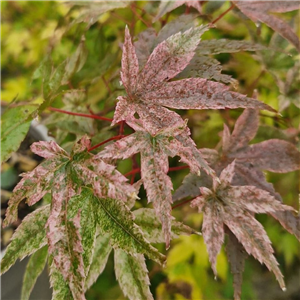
[106, 84]
[178, 168]
[134, 171]
[223, 14]
[182, 203]
[139, 17]
[79, 114]
[117, 137]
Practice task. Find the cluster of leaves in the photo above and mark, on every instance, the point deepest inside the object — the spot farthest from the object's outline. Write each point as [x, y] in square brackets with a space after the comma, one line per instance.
[91, 209]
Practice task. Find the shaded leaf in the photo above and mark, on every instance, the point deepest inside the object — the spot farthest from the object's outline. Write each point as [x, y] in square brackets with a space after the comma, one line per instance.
[236, 256]
[132, 275]
[272, 155]
[15, 123]
[258, 11]
[99, 259]
[34, 268]
[167, 6]
[212, 47]
[150, 224]
[29, 237]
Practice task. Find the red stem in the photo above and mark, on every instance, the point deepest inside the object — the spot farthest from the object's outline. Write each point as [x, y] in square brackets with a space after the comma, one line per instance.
[182, 203]
[79, 114]
[139, 17]
[223, 14]
[121, 130]
[178, 168]
[106, 84]
[117, 137]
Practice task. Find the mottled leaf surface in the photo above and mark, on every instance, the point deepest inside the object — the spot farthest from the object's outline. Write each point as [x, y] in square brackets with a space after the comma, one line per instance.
[152, 91]
[236, 256]
[28, 238]
[154, 165]
[132, 275]
[99, 259]
[233, 206]
[259, 11]
[152, 228]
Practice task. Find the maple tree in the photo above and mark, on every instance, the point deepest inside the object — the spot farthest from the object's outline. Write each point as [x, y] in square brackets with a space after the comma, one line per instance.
[89, 206]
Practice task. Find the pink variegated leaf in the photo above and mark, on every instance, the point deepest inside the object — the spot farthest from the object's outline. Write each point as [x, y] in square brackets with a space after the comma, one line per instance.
[169, 58]
[258, 11]
[63, 237]
[198, 93]
[272, 6]
[236, 256]
[132, 275]
[124, 110]
[130, 65]
[210, 155]
[157, 118]
[105, 179]
[246, 174]
[254, 239]
[158, 185]
[81, 145]
[213, 231]
[273, 155]
[186, 141]
[227, 175]
[33, 187]
[225, 138]
[48, 149]
[244, 130]
[254, 199]
[199, 201]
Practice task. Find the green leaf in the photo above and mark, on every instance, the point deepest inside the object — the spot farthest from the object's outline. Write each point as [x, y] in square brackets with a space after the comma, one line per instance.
[132, 274]
[100, 257]
[57, 79]
[15, 123]
[61, 290]
[34, 268]
[152, 228]
[28, 238]
[115, 218]
[77, 60]
[87, 230]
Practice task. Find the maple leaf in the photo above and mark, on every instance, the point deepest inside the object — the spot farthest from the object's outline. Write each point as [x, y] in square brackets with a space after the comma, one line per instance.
[273, 155]
[84, 190]
[154, 163]
[234, 206]
[258, 11]
[149, 90]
